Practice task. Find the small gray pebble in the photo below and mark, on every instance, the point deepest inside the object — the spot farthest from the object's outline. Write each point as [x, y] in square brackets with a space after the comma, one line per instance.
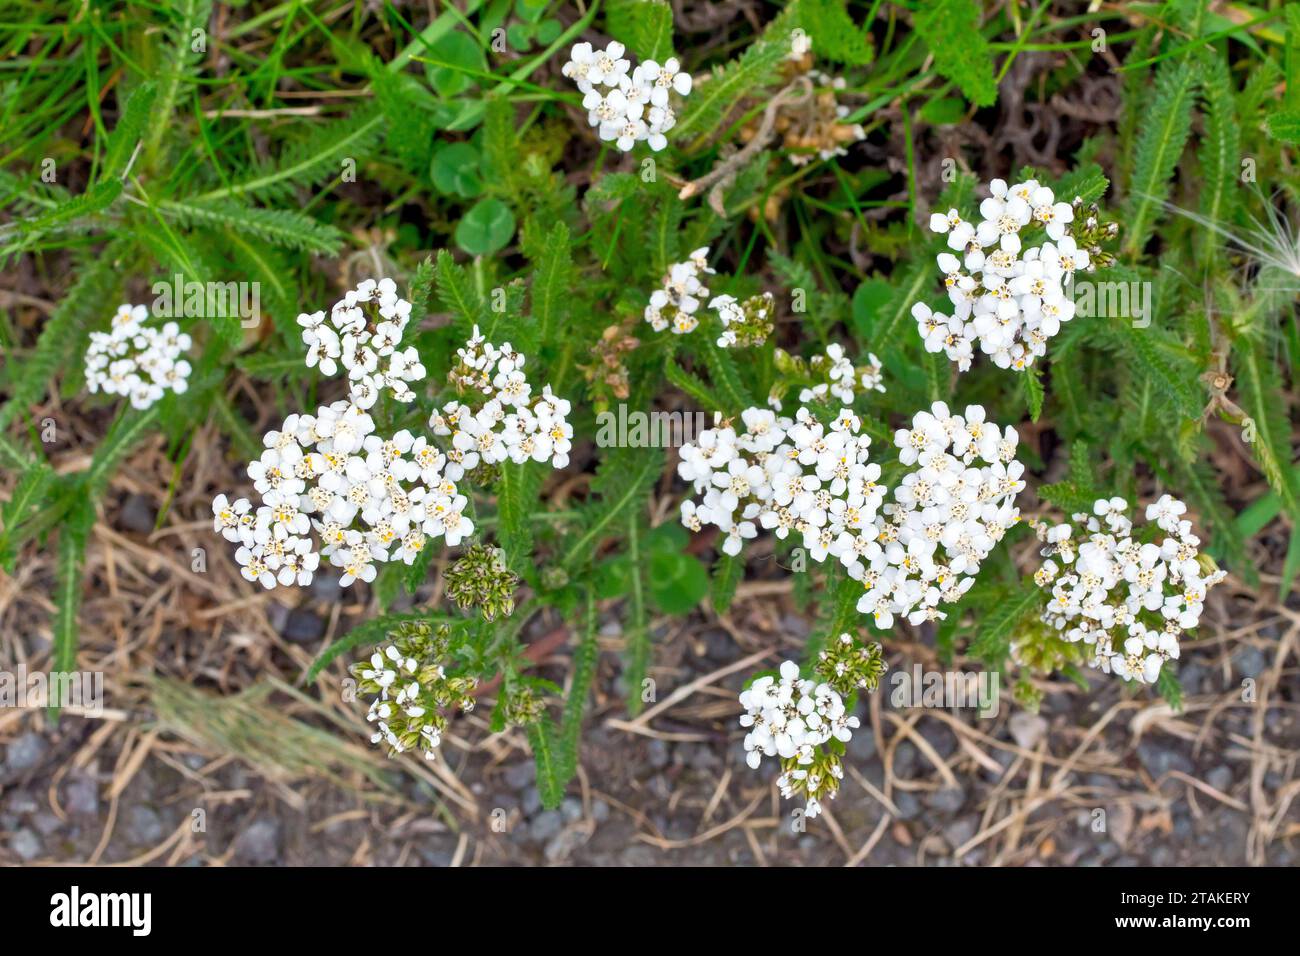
[545, 825]
[571, 808]
[1248, 662]
[532, 801]
[703, 758]
[657, 754]
[81, 795]
[137, 514]
[862, 747]
[260, 842]
[908, 805]
[26, 752]
[26, 844]
[1159, 759]
[947, 800]
[1220, 778]
[277, 615]
[521, 774]
[794, 626]
[143, 826]
[959, 831]
[562, 845]
[639, 856]
[303, 627]
[325, 585]
[21, 802]
[46, 823]
[904, 759]
[1026, 729]
[718, 645]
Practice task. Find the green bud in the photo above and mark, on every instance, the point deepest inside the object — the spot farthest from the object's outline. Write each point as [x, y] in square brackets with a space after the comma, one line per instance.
[848, 665]
[480, 579]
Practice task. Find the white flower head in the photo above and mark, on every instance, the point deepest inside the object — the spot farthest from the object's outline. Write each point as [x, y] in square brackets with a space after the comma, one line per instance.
[627, 105]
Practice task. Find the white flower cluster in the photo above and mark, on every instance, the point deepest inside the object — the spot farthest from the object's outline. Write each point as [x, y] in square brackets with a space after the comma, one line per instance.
[396, 679]
[412, 692]
[743, 323]
[327, 471]
[369, 498]
[790, 718]
[511, 423]
[1128, 600]
[137, 360]
[1007, 299]
[947, 514]
[674, 306]
[363, 330]
[626, 105]
[843, 381]
[797, 475]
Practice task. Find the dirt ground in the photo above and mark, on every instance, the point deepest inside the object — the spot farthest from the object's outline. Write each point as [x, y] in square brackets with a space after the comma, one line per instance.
[210, 751]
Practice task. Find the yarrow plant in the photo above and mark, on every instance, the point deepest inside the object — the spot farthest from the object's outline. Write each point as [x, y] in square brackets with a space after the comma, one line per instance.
[913, 554]
[674, 306]
[1008, 298]
[412, 690]
[139, 361]
[793, 719]
[363, 332]
[848, 665]
[500, 419]
[553, 237]
[1128, 595]
[831, 375]
[370, 498]
[627, 105]
[745, 324]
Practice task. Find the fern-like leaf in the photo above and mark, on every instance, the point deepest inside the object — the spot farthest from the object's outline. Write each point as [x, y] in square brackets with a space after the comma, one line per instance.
[1220, 152]
[622, 482]
[754, 71]
[551, 282]
[1259, 386]
[644, 26]
[61, 342]
[517, 501]
[951, 29]
[1167, 121]
[281, 227]
[458, 295]
[70, 562]
[993, 642]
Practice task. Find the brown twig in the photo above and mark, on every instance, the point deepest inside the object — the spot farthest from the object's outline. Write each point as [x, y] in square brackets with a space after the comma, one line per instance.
[716, 179]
